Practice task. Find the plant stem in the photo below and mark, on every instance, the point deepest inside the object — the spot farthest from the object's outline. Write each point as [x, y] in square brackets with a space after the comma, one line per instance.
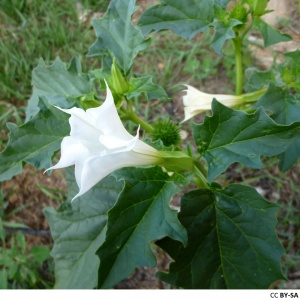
[254, 96]
[203, 180]
[129, 114]
[237, 42]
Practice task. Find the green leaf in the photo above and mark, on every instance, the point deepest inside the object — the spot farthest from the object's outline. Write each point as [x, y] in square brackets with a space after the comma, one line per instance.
[34, 142]
[185, 18]
[290, 72]
[145, 85]
[3, 279]
[142, 214]
[59, 85]
[234, 136]
[284, 109]
[221, 3]
[257, 79]
[40, 253]
[231, 241]
[281, 104]
[116, 35]
[223, 32]
[269, 34]
[78, 229]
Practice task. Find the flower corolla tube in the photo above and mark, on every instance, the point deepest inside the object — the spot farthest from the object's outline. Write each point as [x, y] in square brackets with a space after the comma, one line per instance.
[196, 101]
[99, 144]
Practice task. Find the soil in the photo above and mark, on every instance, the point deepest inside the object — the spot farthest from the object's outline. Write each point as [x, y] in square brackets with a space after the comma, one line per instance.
[26, 199]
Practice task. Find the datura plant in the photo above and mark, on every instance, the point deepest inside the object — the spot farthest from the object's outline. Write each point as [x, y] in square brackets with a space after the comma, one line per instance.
[123, 171]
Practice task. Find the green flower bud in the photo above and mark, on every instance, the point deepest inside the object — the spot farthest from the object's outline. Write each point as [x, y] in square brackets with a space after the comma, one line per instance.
[89, 101]
[167, 132]
[286, 76]
[119, 83]
[221, 14]
[259, 7]
[239, 12]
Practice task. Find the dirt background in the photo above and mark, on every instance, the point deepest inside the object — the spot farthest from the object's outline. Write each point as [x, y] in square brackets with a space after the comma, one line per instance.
[26, 200]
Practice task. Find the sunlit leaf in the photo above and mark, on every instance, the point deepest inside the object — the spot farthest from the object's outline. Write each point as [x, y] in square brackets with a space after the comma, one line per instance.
[234, 136]
[117, 36]
[58, 84]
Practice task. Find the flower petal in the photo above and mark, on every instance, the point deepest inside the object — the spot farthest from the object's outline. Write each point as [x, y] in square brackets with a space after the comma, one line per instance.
[96, 168]
[113, 125]
[117, 144]
[72, 151]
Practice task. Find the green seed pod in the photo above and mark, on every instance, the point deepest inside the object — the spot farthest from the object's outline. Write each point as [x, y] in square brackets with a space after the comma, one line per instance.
[167, 132]
[239, 12]
[221, 14]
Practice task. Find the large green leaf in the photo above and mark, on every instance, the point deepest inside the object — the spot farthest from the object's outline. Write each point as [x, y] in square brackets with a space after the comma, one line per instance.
[269, 34]
[223, 32]
[142, 214]
[145, 85]
[34, 142]
[284, 109]
[234, 136]
[59, 85]
[281, 104]
[116, 35]
[257, 79]
[185, 18]
[78, 229]
[231, 241]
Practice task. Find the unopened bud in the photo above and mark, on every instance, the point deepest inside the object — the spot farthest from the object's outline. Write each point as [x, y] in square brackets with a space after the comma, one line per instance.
[119, 83]
[259, 7]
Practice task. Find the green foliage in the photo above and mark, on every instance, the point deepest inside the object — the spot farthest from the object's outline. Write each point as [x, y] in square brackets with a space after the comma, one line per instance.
[78, 229]
[250, 136]
[20, 270]
[187, 19]
[34, 142]
[184, 18]
[227, 229]
[141, 215]
[223, 32]
[223, 237]
[144, 84]
[269, 34]
[280, 100]
[59, 85]
[117, 36]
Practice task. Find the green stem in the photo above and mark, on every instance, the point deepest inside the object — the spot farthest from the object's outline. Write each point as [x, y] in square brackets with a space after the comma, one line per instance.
[129, 114]
[201, 168]
[237, 42]
[204, 182]
[254, 96]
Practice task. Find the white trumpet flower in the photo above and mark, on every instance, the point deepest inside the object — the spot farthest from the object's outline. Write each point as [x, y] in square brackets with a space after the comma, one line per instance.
[99, 144]
[196, 101]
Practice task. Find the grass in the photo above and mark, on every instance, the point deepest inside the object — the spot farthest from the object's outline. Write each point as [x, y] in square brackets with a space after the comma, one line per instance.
[34, 29]
[31, 29]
